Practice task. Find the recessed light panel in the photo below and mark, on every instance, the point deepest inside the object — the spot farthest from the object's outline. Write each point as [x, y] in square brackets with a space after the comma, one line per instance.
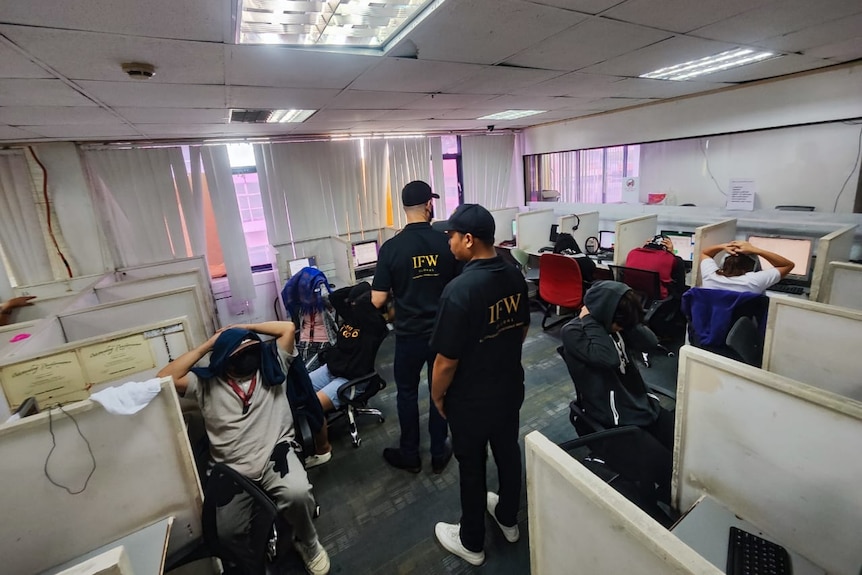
[710, 64]
[512, 114]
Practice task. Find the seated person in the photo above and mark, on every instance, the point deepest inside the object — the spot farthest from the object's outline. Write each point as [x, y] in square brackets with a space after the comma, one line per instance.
[306, 299]
[249, 423]
[611, 389]
[352, 356]
[11, 305]
[657, 255]
[567, 245]
[737, 271]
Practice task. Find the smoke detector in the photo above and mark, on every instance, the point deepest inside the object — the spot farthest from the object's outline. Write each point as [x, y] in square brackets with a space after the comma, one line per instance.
[139, 70]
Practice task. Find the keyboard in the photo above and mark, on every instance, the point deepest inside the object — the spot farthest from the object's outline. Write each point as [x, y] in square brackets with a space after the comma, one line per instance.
[748, 554]
[795, 290]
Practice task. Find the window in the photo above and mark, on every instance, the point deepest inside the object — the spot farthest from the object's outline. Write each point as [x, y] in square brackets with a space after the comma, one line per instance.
[583, 176]
[245, 182]
[453, 193]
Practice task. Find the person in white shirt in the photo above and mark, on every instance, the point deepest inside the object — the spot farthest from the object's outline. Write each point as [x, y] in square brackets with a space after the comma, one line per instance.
[737, 271]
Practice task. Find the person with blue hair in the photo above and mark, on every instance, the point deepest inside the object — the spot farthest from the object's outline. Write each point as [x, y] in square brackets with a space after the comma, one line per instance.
[249, 421]
[306, 299]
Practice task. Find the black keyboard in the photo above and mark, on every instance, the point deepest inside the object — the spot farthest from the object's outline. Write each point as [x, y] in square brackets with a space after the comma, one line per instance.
[795, 290]
[748, 554]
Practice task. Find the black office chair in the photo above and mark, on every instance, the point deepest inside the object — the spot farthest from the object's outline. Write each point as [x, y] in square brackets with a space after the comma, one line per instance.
[354, 396]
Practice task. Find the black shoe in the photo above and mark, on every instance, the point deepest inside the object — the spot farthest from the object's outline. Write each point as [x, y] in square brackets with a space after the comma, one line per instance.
[394, 457]
[438, 464]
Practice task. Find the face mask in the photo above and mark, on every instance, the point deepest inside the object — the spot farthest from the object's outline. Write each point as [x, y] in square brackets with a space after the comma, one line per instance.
[246, 363]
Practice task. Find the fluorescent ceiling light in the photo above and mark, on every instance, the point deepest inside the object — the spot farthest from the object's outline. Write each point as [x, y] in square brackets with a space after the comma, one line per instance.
[354, 23]
[289, 116]
[512, 114]
[710, 64]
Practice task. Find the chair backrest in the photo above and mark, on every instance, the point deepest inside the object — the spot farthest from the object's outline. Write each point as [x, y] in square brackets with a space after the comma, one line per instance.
[520, 256]
[744, 339]
[646, 283]
[711, 313]
[560, 281]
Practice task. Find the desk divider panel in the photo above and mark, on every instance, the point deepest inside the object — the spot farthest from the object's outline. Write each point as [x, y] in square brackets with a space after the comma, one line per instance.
[633, 233]
[59, 288]
[588, 227]
[144, 471]
[843, 285]
[534, 229]
[832, 247]
[388, 233]
[710, 235]
[45, 334]
[580, 524]
[503, 223]
[814, 343]
[320, 248]
[342, 257]
[779, 453]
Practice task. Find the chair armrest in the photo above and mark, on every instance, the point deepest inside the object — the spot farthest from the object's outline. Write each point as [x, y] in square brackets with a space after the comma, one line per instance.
[654, 307]
[615, 433]
[349, 396]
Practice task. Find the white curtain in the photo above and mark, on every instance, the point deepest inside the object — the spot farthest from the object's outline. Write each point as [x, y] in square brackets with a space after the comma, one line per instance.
[409, 159]
[487, 164]
[136, 198]
[20, 228]
[230, 233]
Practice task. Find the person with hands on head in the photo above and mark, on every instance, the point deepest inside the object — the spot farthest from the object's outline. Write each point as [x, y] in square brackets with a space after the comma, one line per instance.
[657, 255]
[11, 305]
[737, 271]
[250, 425]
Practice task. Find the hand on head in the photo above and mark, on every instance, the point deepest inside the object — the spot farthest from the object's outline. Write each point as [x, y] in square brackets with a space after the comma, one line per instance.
[740, 247]
[668, 245]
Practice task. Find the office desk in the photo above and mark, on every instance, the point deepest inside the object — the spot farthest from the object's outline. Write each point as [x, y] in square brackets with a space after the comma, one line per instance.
[706, 528]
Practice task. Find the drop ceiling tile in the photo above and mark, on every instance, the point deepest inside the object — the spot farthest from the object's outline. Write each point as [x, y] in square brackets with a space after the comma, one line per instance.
[648, 88]
[499, 80]
[680, 15]
[362, 100]
[812, 37]
[184, 130]
[189, 20]
[40, 92]
[588, 43]
[85, 131]
[279, 98]
[486, 31]
[585, 6]
[447, 101]
[789, 64]
[174, 115]
[839, 52]
[94, 56]
[45, 116]
[659, 55]
[13, 134]
[574, 84]
[381, 127]
[142, 94]
[16, 65]
[407, 75]
[347, 116]
[281, 66]
[404, 115]
[534, 102]
[465, 113]
[606, 104]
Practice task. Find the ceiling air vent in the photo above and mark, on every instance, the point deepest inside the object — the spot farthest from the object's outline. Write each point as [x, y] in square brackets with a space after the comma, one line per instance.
[249, 116]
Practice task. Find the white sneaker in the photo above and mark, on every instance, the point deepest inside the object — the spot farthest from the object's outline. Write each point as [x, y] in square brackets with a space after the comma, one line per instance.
[317, 459]
[316, 558]
[449, 536]
[510, 533]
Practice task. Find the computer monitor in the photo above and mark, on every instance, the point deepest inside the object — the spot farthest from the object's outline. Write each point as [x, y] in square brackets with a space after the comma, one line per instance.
[364, 254]
[514, 230]
[683, 243]
[295, 266]
[554, 233]
[607, 239]
[797, 250]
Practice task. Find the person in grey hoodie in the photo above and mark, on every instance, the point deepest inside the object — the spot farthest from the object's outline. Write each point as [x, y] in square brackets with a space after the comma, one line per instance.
[597, 348]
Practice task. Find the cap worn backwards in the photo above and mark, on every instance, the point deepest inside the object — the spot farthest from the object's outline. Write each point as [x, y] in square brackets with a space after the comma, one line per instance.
[416, 193]
[470, 219]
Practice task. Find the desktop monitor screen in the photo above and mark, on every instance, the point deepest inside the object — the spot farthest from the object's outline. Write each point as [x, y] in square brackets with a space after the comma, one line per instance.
[295, 266]
[365, 254]
[683, 244]
[514, 230]
[795, 249]
[554, 233]
[607, 240]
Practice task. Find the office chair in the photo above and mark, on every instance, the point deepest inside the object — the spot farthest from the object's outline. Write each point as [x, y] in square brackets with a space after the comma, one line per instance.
[522, 260]
[561, 285]
[658, 313]
[354, 396]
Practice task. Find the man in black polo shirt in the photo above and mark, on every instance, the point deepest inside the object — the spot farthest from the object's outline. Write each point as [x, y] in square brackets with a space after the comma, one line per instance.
[415, 266]
[479, 380]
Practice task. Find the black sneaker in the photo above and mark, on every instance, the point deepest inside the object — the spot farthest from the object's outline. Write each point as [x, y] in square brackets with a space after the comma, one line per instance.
[395, 458]
[438, 464]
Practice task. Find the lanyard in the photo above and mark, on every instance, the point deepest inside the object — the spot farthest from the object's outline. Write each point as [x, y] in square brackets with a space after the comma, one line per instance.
[243, 396]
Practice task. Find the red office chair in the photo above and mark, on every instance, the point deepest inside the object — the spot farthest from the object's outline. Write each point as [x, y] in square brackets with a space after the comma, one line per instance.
[560, 284]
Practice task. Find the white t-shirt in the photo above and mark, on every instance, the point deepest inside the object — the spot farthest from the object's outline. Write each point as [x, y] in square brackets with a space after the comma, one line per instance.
[757, 282]
[244, 441]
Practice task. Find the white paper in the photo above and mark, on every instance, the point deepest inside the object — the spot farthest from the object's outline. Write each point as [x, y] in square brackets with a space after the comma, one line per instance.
[741, 196]
[631, 191]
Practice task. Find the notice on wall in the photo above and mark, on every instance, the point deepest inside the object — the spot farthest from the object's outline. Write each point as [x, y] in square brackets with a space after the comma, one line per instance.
[741, 196]
[112, 359]
[631, 191]
[51, 380]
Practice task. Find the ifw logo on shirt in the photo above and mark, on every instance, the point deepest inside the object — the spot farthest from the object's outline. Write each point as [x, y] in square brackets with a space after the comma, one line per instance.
[424, 266]
[502, 316]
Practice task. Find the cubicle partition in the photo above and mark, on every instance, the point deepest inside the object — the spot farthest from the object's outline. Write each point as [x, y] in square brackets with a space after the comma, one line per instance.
[46, 307]
[319, 248]
[710, 235]
[843, 285]
[534, 229]
[814, 343]
[46, 333]
[59, 288]
[503, 219]
[142, 471]
[342, 258]
[832, 247]
[587, 227]
[388, 233]
[633, 233]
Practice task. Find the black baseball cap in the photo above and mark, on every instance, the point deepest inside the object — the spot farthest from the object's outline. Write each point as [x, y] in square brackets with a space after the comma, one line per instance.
[470, 219]
[416, 193]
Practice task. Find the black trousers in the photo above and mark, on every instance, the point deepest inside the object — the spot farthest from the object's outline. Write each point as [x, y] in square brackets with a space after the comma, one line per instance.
[473, 427]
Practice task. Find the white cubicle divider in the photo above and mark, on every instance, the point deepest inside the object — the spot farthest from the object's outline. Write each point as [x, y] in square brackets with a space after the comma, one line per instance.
[633, 233]
[319, 248]
[15, 332]
[342, 258]
[710, 235]
[503, 219]
[46, 307]
[814, 343]
[579, 524]
[534, 229]
[388, 233]
[778, 453]
[833, 247]
[143, 471]
[588, 227]
[843, 285]
[60, 288]
[46, 333]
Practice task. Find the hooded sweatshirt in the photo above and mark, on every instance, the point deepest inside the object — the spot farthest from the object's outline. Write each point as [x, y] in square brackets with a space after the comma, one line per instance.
[608, 383]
